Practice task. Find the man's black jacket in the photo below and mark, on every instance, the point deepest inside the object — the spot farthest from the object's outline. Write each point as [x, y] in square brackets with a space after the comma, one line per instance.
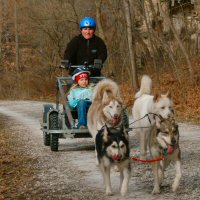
[80, 51]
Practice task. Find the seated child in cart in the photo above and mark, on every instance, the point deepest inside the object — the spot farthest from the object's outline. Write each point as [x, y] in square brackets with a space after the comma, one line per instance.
[80, 95]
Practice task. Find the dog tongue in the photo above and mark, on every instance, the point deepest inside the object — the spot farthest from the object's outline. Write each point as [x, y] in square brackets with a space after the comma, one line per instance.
[116, 157]
[114, 120]
[170, 149]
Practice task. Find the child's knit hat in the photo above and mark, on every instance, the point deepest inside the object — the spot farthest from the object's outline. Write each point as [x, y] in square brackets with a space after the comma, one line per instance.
[80, 72]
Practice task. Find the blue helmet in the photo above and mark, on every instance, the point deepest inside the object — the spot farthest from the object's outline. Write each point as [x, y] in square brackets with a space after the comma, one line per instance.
[80, 70]
[87, 22]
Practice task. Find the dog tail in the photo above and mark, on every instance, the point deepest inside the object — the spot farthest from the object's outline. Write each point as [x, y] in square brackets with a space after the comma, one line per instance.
[145, 87]
[106, 86]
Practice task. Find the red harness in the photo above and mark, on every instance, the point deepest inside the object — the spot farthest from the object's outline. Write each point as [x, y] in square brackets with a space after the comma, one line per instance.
[147, 161]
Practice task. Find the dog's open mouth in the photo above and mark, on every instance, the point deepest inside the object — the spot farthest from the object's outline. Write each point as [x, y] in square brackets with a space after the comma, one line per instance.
[170, 148]
[116, 158]
[115, 120]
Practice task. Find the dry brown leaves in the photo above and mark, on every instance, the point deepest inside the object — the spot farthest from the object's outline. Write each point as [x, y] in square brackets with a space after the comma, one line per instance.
[185, 95]
[15, 167]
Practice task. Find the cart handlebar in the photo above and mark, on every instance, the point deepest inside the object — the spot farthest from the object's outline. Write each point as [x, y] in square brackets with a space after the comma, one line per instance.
[65, 64]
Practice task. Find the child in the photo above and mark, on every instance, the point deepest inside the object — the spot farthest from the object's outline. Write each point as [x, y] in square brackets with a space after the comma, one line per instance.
[80, 95]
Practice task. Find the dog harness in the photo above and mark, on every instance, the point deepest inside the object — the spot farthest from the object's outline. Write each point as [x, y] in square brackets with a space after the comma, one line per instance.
[147, 161]
[164, 152]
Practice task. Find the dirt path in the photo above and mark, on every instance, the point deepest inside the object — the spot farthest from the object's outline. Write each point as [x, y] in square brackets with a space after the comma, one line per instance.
[71, 173]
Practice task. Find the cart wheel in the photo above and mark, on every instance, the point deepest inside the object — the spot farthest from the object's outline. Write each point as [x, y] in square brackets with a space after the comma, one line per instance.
[54, 142]
[53, 125]
[46, 137]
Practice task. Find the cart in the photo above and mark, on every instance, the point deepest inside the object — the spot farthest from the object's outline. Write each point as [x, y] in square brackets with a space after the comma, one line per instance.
[59, 121]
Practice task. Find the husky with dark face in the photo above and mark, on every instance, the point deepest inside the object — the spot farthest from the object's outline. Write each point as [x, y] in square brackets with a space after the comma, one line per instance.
[164, 141]
[106, 107]
[112, 146]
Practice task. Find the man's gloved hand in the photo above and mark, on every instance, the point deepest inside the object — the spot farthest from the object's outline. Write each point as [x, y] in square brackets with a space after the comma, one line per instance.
[86, 63]
[98, 63]
[64, 64]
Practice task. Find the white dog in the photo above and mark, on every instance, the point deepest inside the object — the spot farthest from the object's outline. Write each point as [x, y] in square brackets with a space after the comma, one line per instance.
[144, 104]
[106, 107]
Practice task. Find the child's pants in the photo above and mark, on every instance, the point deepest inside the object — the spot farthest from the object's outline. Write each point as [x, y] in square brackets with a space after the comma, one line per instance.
[82, 108]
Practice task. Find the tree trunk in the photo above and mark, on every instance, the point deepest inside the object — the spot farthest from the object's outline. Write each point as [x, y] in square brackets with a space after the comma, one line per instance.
[1, 21]
[131, 46]
[150, 41]
[98, 18]
[16, 38]
[98, 4]
[168, 21]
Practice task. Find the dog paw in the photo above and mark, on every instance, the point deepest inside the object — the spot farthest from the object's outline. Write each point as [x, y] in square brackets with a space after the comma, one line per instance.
[123, 193]
[156, 191]
[109, 193]
[174, 188]
[116, 169]
[97, 162]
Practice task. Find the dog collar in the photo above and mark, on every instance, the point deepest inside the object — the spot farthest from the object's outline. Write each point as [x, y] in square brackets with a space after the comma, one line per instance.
[164, 151]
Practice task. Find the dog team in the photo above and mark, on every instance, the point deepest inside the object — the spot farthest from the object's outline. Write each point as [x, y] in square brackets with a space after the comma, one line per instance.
[158, 132]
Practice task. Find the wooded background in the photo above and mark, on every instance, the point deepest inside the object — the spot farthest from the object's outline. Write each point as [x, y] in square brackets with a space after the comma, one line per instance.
[142, 36]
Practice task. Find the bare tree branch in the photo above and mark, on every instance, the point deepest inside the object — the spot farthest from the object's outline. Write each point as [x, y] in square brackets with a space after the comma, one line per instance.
[168, 21]
[130, 42]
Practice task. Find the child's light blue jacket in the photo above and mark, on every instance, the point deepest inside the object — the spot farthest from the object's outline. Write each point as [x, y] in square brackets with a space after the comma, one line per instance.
[79, 93]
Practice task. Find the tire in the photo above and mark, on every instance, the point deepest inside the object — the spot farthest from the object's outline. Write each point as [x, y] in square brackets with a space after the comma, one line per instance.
[53, 125]
[46, 137]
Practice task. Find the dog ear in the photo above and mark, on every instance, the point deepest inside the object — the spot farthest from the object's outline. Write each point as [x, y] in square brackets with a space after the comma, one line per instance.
[118, 97]
[169, 94]
[172, 119]
[123, 131]
[156, 97]
[176, 126]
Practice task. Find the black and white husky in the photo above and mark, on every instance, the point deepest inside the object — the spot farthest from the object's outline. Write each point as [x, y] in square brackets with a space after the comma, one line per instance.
[106, 107]
[112, 146]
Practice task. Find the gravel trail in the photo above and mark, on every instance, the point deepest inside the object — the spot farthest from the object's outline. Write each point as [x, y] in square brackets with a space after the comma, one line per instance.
[71, 172]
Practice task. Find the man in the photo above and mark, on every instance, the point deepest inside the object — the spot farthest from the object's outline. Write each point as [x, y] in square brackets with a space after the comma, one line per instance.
[86, 47]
